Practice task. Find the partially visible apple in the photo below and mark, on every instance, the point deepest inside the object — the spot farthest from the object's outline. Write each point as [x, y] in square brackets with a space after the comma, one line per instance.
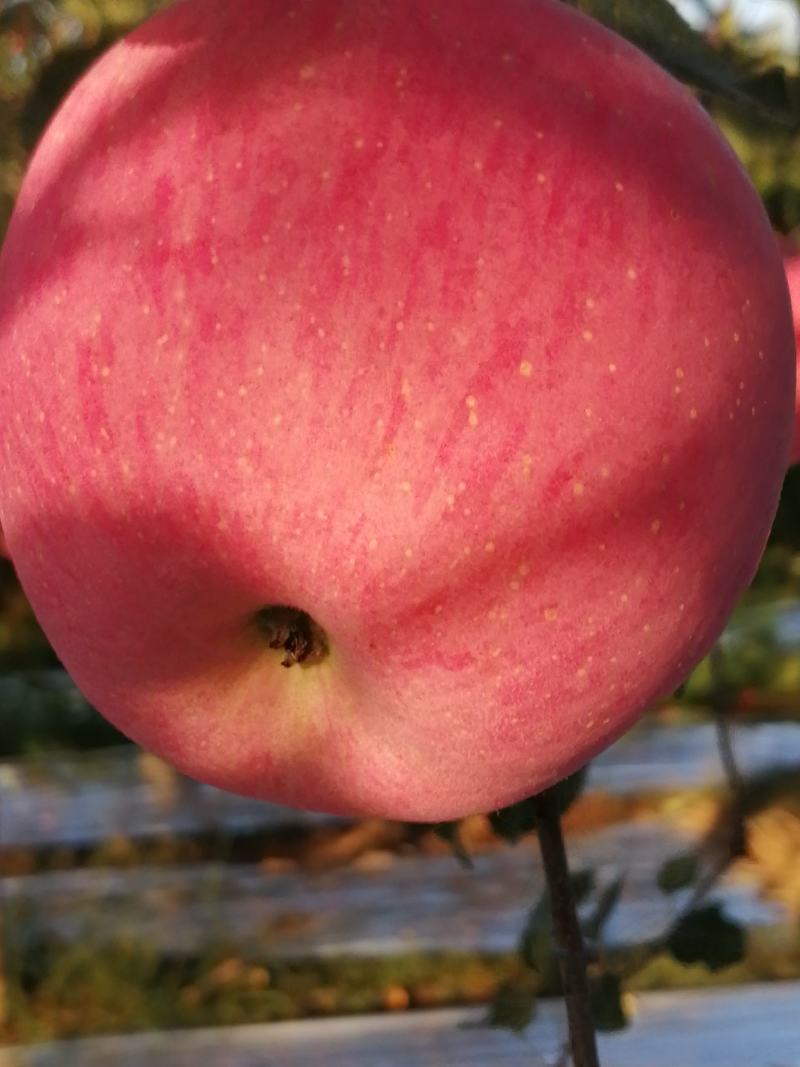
[443, 347]
[791, 261]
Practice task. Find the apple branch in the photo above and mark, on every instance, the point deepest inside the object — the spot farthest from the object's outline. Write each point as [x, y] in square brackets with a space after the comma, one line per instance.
[727, 839]
[569, 939]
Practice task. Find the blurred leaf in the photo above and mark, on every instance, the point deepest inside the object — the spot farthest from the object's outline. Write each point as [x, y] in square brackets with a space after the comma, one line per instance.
[569, 789]
[677, 873]
[536, 941]
[517, 820]
[607, 902]
[513, 1007]
[608, 1012]
[514, 822]
[536, 945]
[657, 28]
[451, 833]
[583, 883]
[775, 784]
[706, 936]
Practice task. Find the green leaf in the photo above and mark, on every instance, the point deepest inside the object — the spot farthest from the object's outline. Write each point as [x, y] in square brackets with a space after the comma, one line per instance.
[514, 822]
[583, 883]
[609, 898]
[536, 940]
[517, 820]
[605, 991]
[513, 1007]
[706, 936]
[536, 944]
[657, 28]
[569, 789]
[677, 873]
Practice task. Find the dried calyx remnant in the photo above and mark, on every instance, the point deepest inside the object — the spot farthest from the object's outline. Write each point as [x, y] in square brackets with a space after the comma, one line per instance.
[294, 631]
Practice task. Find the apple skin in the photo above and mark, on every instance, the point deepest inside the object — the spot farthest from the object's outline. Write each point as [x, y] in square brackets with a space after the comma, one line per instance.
[458, 327]
[792, 264]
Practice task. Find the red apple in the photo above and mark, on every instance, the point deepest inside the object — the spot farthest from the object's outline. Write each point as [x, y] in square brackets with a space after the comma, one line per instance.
[455, 326]
[791, 262]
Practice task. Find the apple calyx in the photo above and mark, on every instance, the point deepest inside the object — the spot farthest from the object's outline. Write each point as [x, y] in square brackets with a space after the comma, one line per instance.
[294, 631]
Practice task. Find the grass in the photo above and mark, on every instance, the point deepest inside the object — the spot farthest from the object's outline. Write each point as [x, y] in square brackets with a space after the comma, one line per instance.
[56, 992]
[60, 992]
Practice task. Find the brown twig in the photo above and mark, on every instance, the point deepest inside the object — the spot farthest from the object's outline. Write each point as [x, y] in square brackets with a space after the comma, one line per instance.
[729, 838]
[567, 931]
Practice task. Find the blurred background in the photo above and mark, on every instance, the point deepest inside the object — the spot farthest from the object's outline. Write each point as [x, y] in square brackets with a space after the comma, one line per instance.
[134, 900]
